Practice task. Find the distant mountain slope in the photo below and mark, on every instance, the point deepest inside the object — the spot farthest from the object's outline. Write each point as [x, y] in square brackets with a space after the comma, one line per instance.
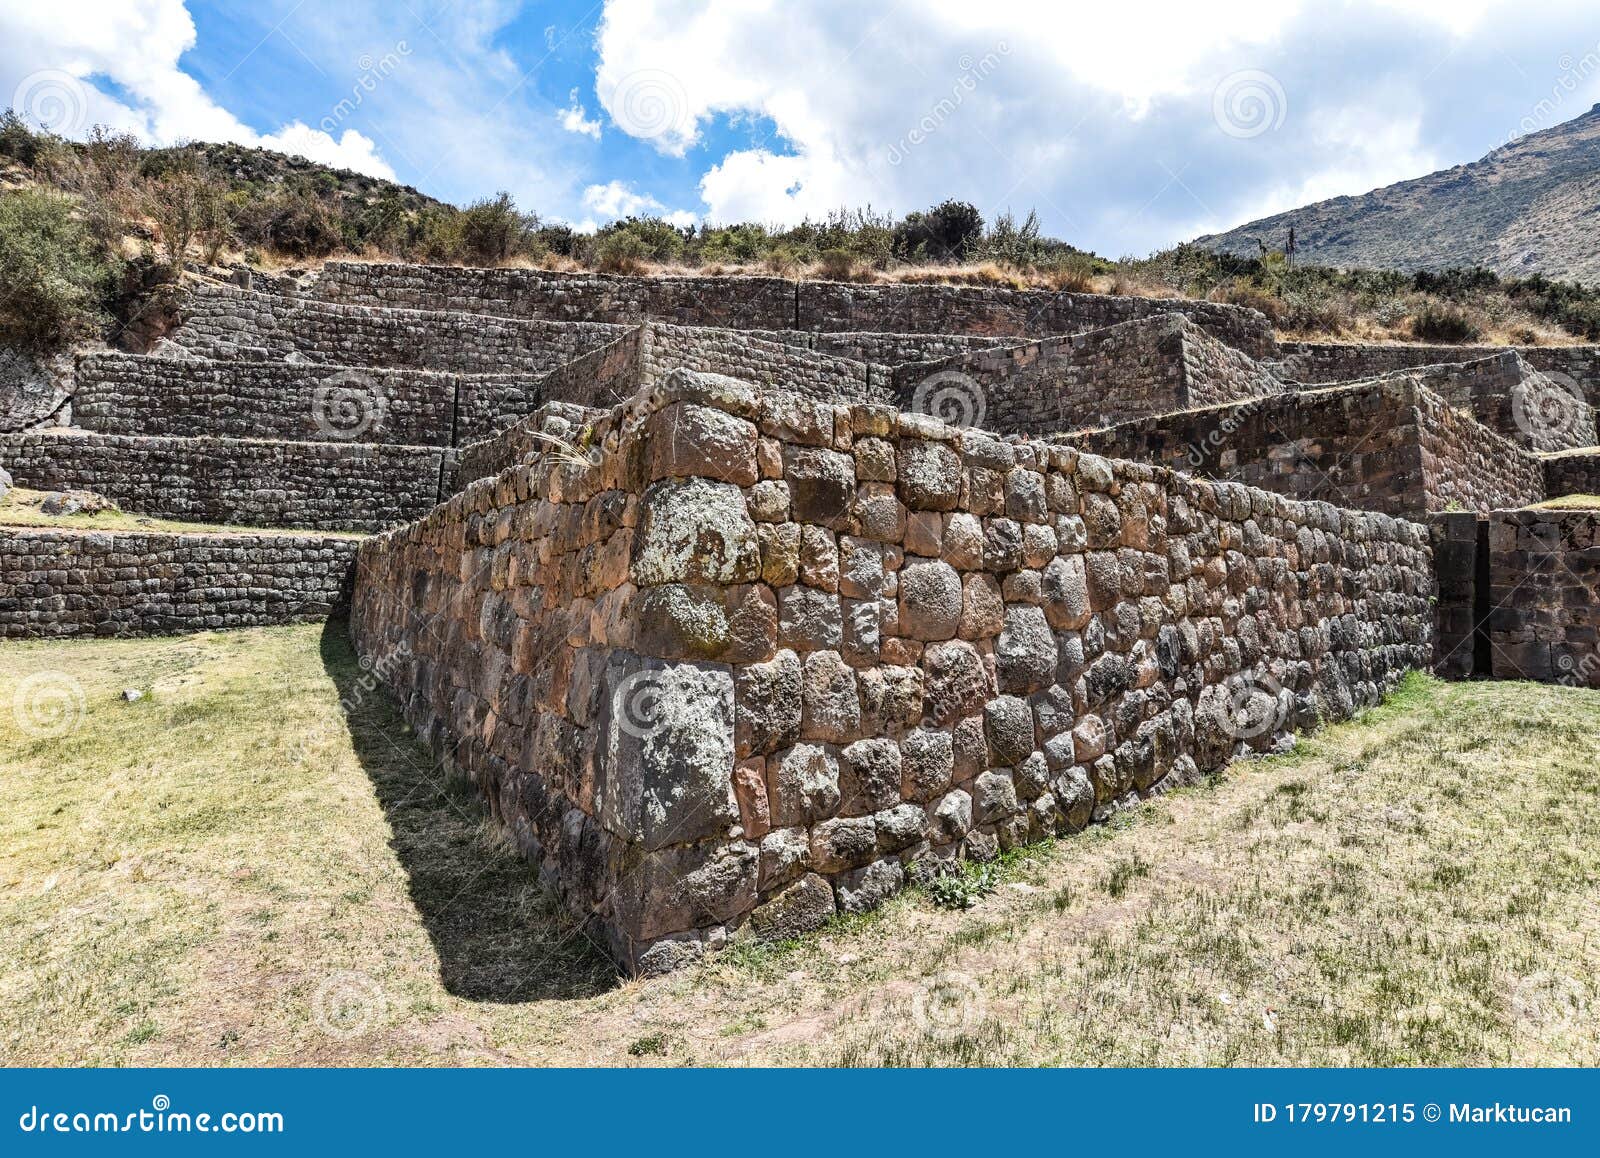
[1532, 206]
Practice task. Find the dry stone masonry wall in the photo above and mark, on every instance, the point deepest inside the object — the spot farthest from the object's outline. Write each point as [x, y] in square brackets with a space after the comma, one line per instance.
[222, 322]
[1544, 622]
[325, 486]
[119, 394]
[1138, 368]
[58, 583]
[1389, 446]
[768, 658]
[774, 304]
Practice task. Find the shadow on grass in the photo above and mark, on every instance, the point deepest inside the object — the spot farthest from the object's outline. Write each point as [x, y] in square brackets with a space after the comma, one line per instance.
[498, 936]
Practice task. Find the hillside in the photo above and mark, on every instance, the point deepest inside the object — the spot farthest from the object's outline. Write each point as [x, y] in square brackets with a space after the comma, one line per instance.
[1529, 207]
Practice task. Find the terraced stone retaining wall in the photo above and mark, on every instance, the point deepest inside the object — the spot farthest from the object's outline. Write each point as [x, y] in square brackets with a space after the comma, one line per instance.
[743, 303]
[1139, 368]
[1572, 473]
[119, 394]
[60, 583]
[223, 322]
[1390, 446]
[1510, 397]
[764, 658]
[327, 486]
[774, 304]
[1349, 361]
[1544, 597]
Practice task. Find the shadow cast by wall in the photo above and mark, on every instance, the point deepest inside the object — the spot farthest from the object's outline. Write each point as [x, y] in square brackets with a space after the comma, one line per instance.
[498, 936]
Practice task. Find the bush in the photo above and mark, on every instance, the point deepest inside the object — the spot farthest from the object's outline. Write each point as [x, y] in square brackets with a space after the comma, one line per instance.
[946, 234]
[296, 224]
[493, 231]
[1447, 324]
[620, 252]
[657, 240]
[1073, 272]
[17, 140]
[837, 265]
[56, 277]
[188, 208]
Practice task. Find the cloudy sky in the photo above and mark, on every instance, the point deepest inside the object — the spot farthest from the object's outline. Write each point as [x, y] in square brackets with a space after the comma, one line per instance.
[1126, 126]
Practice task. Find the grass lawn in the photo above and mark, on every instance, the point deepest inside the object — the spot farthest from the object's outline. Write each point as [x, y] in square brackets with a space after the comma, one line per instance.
[19, 507]
[232, 870]
[1569, 503]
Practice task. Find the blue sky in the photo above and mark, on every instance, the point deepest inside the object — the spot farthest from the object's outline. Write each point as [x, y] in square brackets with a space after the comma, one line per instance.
[1126, 127]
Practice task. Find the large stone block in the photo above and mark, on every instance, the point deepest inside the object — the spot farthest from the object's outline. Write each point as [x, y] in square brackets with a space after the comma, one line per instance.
[665, 767]
[695, 531]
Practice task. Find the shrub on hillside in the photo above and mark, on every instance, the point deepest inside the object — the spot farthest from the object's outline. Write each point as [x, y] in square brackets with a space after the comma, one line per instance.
[620, 252]
[17, 140]
[947, 233]
[55, 276]
[494, 230]
[295, 223]
[1443, 323]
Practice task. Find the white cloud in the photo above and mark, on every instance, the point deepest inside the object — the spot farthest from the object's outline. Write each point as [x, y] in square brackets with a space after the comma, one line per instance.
[575, 118]
[1100, 118]
[617, 199]
[53, 54]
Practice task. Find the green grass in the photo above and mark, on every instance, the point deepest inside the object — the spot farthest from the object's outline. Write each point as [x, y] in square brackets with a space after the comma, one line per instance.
[232, 870]
[1568, 503]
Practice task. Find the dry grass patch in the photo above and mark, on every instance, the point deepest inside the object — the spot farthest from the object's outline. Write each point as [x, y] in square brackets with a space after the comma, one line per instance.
[234, 870]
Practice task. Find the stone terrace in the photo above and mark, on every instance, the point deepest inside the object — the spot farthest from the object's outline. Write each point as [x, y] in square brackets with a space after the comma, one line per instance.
[731, 630]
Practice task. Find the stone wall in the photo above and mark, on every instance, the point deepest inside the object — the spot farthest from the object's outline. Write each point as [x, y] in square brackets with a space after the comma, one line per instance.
[742, 303]
[1544, 621]
[772, 303]
[1348, 361]
[762, 658]
[556, 427]
[123, 394]
[599, 377]
[58, 583]
[222, 322]
[1465, 465]
[1572, 473]
[814, 375]
[1133, 370]
[1389, 446]
[827, 306]
[1506, 394]
[325, 486]
[1458, 642]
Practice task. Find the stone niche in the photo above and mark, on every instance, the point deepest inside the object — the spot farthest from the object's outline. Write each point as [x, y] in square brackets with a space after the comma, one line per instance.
[754, 659]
